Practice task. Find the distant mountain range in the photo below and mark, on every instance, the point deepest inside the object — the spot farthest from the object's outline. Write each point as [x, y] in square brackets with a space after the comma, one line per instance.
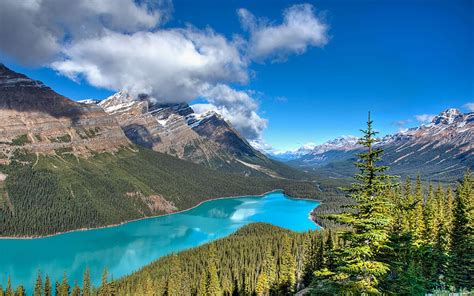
[440, 150]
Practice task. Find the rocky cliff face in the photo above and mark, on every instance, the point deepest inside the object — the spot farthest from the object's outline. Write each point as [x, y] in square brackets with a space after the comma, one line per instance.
[34, 118]
[176, 130]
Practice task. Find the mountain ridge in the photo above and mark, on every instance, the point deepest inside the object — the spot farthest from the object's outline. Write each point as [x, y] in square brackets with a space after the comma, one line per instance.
[442, 148]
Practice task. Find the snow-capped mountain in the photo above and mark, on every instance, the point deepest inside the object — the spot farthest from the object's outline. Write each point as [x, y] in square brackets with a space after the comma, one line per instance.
[343, 143]
[292, 154]
[177, 130]
[441, 149]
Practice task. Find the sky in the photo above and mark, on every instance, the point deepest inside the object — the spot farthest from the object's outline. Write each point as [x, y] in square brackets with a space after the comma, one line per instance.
[284, 73]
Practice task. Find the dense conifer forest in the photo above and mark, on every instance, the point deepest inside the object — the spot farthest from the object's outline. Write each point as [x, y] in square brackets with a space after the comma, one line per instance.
[60, 193]
[395, 238]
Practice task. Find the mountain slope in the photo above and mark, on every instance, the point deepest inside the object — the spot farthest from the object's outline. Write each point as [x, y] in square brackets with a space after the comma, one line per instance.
[441, 150]
[63, 193]
[201, 138]
[35, 118]
[67, 165]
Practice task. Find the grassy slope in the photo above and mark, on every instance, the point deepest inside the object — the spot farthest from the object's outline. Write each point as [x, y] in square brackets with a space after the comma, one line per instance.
[65, 193]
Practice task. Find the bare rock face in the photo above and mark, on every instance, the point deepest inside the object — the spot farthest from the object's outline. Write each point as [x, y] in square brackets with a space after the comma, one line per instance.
[176, 130]
[36, 119]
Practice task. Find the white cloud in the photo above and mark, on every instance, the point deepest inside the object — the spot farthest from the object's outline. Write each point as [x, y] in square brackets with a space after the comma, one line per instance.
[469, 107]
[118, 44]
[239, 108]
[34, 31]
[300, 29]
[173, 65]
[425, 118]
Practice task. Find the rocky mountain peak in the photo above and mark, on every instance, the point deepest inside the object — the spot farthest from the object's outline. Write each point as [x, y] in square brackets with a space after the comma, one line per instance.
[11, 79]
[447, 117]
[340, 143]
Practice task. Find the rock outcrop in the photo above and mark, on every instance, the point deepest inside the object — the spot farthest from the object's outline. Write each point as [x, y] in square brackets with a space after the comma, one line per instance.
[36, 119]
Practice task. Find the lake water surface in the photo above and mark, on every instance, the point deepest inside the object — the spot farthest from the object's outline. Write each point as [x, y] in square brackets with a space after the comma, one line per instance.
[127, 247]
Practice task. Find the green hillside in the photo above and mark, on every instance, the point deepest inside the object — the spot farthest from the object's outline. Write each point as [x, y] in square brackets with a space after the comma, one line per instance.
[60, 193]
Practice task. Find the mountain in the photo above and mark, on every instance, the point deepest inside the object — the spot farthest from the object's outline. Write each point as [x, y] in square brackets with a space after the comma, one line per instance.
[320, 155]
[36, 119]
[66, 165]
[292, 154]
[175, 129]
[440, 150]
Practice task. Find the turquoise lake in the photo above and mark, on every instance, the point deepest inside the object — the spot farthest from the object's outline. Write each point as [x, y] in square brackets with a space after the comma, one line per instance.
[127, 247]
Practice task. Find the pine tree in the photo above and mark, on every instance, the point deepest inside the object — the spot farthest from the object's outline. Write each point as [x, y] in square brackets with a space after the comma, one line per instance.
[64, 288]
[38, 291]
[313, 258]
[269, 267]
[287, 272]
[47, 286]
[76, 291]
[462, 252]
[358, 267]
[149, 287]
[213, 285]
[57, 289]
[9, 290]
[431, 227]
[202, 287]
[104, 287]
[418, 224]
[263, 287]
[174, 278]
[440, 204]
[20, 291]
[408, 202]
[86, 283]
[449, 213]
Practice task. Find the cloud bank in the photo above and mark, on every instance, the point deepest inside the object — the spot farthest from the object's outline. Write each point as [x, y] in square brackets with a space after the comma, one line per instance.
[300, 29]
[35, 31]
[120, 44]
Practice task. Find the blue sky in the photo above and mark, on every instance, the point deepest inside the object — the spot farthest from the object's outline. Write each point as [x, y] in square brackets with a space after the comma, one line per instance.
[397, 59]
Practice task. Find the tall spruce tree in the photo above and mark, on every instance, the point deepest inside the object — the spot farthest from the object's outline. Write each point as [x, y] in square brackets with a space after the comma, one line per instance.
[104, 287]
[76, 291]
[47, 286]
[269, 267]
[418, 224]
[64, 287]
[213, 285]
[358, 267]
[462, 241]
[9, 290]
[20, 291]
[174, 278]
[431, 225]
[86, 283]
[38, 291]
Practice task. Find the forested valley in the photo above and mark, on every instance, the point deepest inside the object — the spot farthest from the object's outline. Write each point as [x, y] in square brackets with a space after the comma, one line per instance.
[72, 193]
[395, 238]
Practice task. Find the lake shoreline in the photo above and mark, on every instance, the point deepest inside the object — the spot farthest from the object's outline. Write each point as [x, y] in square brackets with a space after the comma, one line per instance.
[156, 216]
